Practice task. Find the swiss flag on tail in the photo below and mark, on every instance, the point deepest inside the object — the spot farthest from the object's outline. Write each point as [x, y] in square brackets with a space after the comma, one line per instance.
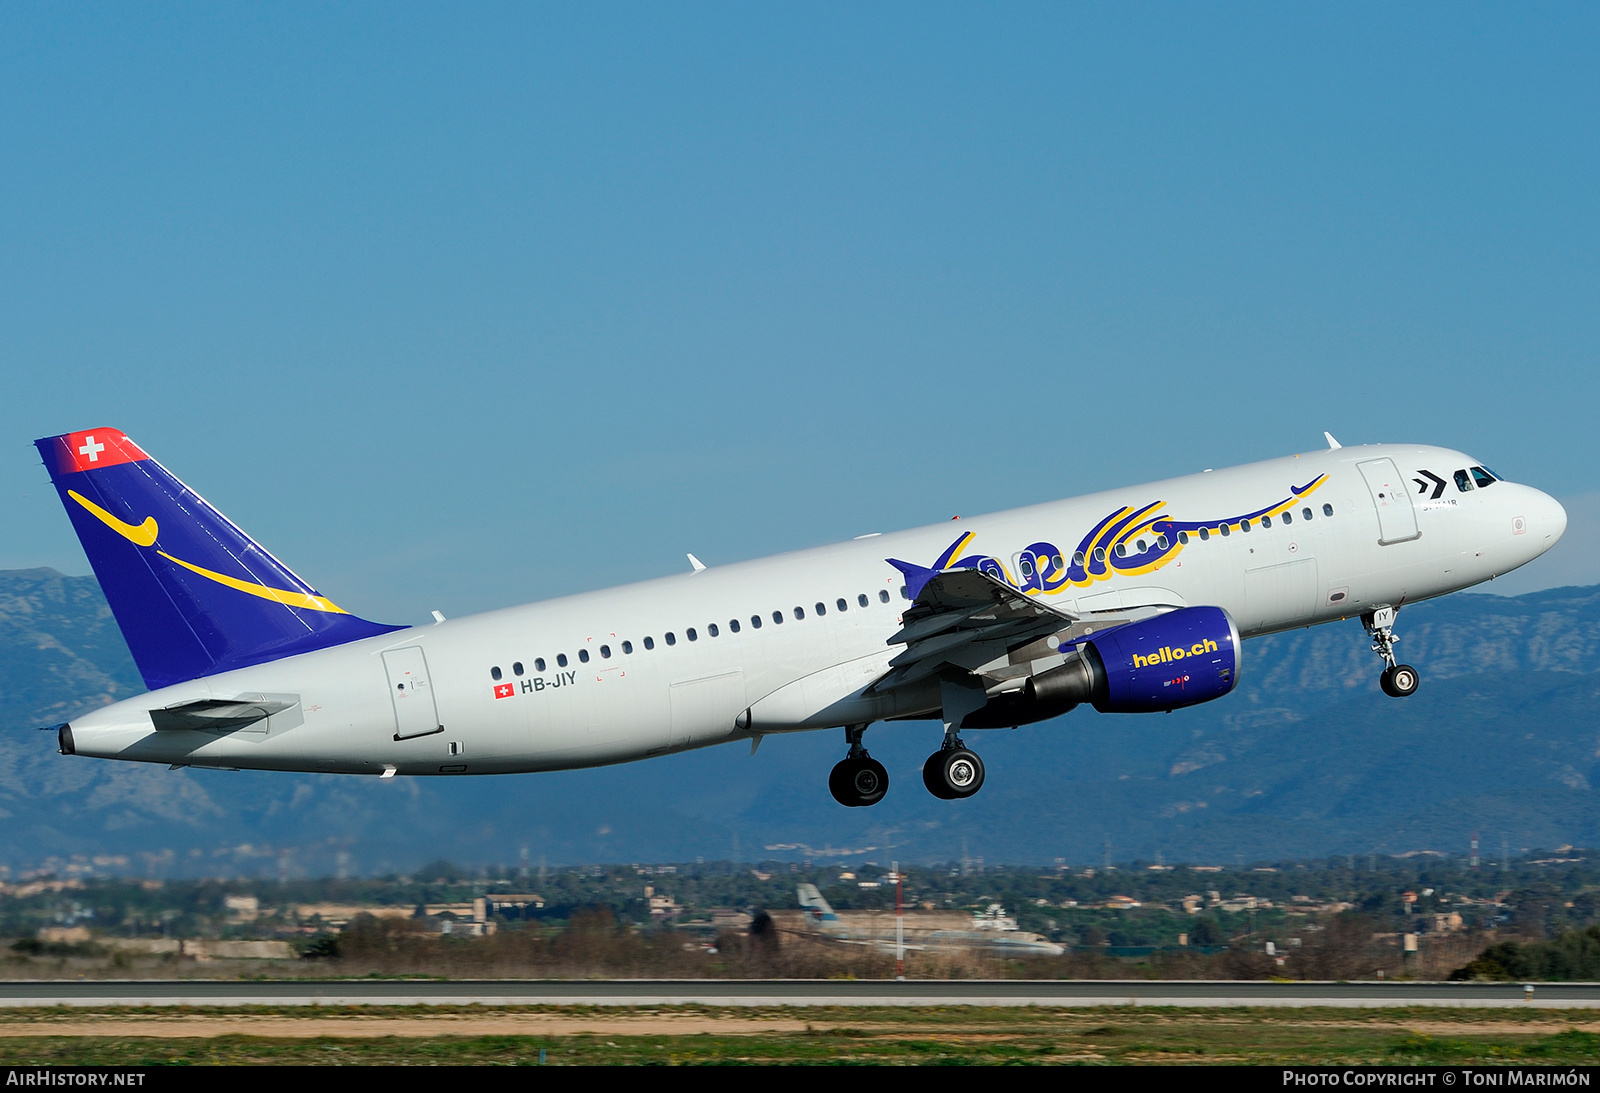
[94, 448]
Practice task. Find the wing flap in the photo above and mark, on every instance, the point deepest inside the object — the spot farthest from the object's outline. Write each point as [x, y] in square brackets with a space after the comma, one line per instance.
[962, 619]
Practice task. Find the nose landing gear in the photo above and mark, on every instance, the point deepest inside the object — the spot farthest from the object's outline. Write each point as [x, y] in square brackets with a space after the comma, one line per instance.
[1397, 680]
[858, 779]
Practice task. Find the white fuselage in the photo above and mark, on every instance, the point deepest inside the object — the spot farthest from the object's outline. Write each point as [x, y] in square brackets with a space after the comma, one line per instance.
[349, 713]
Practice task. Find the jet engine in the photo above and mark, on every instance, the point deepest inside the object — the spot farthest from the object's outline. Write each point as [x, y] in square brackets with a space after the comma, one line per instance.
[1164, 663]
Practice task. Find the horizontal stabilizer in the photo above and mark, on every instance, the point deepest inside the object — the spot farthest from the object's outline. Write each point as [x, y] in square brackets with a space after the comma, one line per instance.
[218, 714]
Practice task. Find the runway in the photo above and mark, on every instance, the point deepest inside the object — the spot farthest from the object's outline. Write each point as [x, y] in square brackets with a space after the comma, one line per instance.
[788, 992]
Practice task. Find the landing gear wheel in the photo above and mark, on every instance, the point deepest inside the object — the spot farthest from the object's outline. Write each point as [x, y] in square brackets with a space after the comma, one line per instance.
[953, 773]
[1400, 681]
[856, 783]
[933, 776]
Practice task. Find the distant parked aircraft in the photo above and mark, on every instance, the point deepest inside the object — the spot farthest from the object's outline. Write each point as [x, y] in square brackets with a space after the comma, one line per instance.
[925, 931]
[1133, 600]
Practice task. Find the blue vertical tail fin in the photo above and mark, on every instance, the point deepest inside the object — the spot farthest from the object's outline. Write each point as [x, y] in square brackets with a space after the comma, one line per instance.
[193, 594]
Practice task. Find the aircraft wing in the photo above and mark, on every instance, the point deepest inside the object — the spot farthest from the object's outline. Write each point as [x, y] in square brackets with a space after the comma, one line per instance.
[964, 619]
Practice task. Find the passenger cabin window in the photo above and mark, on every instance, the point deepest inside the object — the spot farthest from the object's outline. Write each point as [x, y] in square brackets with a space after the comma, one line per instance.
[1099, 554]
[1327, 510]
[583, 656]
[1482, 477]
[1305, 514]
[672, 639]
[605, 652]
[1463, 481]
[516, 669]
[561, 660]
[733, 625]
[1183, 540]
[821, 608]
[1026, 566]
[1205, 533]
[711, 628]
[883, 595]
[862, 599]
[538, 664]
[1266, 521]
[841, 604]
[494, 673]
[799, 612]
[1244, 525]
[649, 642]
[1058, 563]
[1288, 517]
[691, 635]
[777, 617]
[1077, 557]
[755, 622]
[627, 647]
[1226, 530]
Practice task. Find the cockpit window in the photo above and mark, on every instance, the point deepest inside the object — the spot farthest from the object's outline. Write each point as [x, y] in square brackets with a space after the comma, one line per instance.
[1463, 481]
[1482, 477]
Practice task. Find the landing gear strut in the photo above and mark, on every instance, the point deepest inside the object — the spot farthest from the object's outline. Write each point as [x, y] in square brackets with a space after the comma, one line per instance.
[858, 779]
[954, 772]
[1397, 680]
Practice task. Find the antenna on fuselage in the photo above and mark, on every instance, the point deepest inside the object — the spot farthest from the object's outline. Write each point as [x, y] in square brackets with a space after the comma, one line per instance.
[1332, 443]
[699, 566]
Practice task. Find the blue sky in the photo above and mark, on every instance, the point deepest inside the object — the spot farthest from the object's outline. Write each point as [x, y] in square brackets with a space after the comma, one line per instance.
[459, 306]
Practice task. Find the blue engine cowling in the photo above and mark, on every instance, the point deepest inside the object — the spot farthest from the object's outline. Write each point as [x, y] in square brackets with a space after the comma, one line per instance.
[1164, 663]
[1178, 659]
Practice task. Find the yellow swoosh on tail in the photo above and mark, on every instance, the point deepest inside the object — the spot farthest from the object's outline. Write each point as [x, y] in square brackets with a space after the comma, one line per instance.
[138, 534]
[283, 596]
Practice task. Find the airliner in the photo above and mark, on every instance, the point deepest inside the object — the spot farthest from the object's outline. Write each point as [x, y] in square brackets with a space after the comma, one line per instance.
[1132, 600]
[922, 931]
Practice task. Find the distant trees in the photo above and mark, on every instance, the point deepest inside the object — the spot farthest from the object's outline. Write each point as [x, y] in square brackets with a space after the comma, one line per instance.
[1205, 933]
[1343, 949]
[1573, 955]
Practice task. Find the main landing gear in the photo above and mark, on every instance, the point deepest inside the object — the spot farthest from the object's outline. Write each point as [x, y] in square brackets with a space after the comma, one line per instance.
[953, 772]
[858, 779]
[1397, 680]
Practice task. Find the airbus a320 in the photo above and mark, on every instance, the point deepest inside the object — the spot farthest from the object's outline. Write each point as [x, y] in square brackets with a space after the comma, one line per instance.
[1133, 600]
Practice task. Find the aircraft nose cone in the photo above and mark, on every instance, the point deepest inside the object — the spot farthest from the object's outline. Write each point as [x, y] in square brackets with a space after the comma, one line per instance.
[1552, 518]
[1547, 520]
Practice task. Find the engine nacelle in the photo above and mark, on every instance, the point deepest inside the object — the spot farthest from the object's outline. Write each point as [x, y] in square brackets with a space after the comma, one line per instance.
[1178, 659]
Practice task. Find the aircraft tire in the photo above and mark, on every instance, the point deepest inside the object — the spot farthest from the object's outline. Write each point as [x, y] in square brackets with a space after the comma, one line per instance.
[933, 777]
[954, 774]
[857, 783]
[1401, 681]
[839, 782]
[870, 781]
